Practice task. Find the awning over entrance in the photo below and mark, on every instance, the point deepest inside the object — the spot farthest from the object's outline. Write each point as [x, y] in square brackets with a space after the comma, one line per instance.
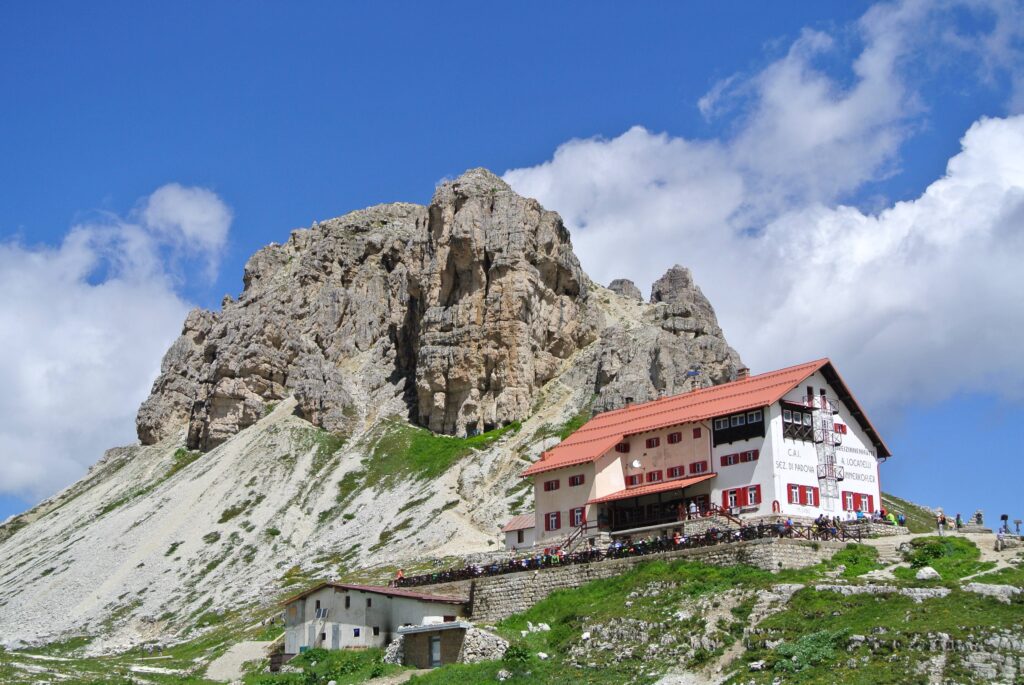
[654, 488]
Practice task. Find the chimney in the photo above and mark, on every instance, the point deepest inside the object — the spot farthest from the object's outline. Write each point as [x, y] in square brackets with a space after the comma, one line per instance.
[742, 372]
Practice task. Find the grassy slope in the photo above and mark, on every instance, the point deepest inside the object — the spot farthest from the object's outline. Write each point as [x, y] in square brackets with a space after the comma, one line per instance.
[814, 628]
[919, 519]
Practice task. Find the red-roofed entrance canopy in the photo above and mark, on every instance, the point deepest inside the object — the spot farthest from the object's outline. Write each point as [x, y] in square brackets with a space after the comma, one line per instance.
[667, 486]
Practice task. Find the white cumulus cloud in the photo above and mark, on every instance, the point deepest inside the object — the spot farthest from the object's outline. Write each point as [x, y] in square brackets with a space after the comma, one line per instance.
[83, 327]
[916, 302]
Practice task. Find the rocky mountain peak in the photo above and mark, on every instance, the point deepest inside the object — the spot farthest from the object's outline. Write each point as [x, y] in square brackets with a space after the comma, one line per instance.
[455, 315]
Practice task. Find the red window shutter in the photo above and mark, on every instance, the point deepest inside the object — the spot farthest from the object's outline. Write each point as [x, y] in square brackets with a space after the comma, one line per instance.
[817, 498]
[842, 496]
[871, 502]
[558, 520]
[725, 499]
[754, 455]
[757, 489]
[724, 463]
[741, 497]
[696, 433]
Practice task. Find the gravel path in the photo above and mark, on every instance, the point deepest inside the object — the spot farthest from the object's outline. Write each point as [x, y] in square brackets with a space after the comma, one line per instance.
[228, 666]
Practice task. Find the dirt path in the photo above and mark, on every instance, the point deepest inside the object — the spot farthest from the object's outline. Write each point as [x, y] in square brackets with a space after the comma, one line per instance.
[228, 666]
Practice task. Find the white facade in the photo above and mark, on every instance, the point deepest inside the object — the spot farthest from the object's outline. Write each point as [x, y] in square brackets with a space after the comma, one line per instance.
[520, 539]
[754, 476]
[336, 617]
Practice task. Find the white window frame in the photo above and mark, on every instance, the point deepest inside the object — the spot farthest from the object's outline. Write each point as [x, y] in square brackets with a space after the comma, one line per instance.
[576, 517]
[787, 415]
[721, 423]
[865, 503]
[699, 467]
[808, 420]
[754, 416]
[738, 420]
[553, 521]
[679, 471]
[752, 497]
[733, 498]
[808, 498]
[794, 493]
[849, 502]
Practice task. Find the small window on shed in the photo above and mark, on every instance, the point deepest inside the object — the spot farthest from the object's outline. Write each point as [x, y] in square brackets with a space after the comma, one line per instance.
[376, 631]
[323, 637]
[369, 602]
[355, 632]
[317, 605]
[348, 601]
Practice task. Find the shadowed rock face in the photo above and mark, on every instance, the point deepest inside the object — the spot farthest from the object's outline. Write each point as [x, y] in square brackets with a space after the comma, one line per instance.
[626, 288]
[455, 314]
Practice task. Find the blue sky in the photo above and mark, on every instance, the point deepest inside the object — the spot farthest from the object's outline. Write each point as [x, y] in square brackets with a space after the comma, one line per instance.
[284, 116]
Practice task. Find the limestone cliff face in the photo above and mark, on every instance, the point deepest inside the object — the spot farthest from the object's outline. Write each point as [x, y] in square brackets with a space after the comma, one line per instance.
[456, 315]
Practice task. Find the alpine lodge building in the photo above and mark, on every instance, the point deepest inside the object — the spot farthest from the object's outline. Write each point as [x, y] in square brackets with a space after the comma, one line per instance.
[788, 443]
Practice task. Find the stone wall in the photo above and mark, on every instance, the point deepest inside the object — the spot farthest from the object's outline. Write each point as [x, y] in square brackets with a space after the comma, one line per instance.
[496, 597]
[873, 529]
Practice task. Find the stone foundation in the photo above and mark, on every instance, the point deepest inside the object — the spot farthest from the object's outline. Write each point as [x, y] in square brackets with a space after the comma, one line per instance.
[493, 598]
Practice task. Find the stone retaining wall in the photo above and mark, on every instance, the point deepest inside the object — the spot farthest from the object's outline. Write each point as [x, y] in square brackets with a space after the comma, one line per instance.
[873, 529]
[496, 597]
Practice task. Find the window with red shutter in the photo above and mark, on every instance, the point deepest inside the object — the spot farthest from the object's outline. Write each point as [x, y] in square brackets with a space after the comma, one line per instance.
[794, 494]
[675, 472]
[575, 480]
[653, 442]
[550, 485]
[753, 494]
[699, 467]
[553, 520]
[696, 433]
[634, 480]
[577, 517]
[654, 476]
[817, 498]
[674, 438]
[622, 448]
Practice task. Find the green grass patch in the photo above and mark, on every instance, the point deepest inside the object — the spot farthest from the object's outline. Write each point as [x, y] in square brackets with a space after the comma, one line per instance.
[858, 560]
[953, 557]
[170, 550]
[405, 451]
[320, 666]
[240, 508]
[211, 537]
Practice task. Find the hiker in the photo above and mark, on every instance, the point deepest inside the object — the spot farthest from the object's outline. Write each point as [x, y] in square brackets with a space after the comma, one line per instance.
[959, 522]
[693, 509]
[940, 522]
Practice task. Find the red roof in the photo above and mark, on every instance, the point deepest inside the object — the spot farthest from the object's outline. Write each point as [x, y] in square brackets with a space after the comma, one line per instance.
[521, 522]
[380, 590]
[655, 488]
[604, 431]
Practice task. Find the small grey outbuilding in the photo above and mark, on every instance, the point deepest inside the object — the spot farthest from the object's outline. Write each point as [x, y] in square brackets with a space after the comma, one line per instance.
[343, 616]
